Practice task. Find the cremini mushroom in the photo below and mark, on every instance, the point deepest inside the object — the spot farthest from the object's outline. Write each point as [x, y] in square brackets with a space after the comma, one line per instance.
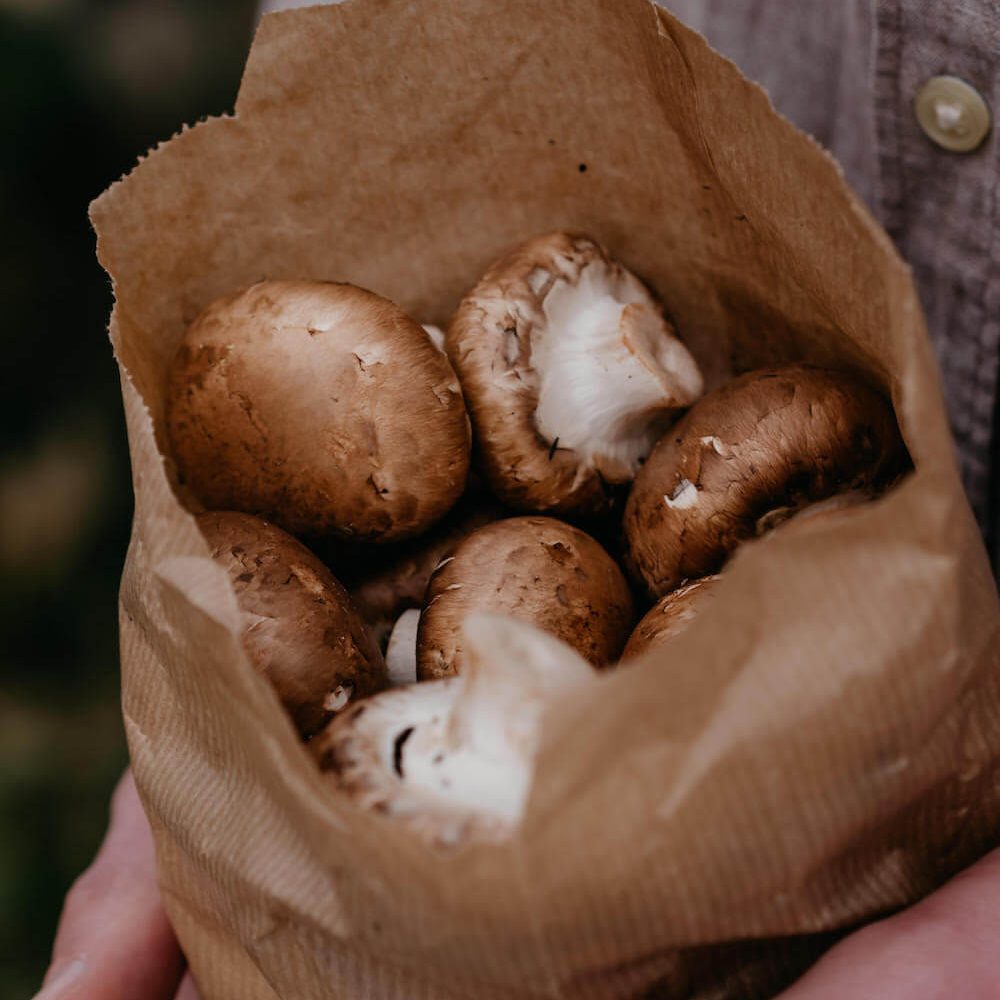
[453, 758]
[775, 438]
[321, 406]
[536, 569]
[671, 614]
[300, 629]
[571, 372]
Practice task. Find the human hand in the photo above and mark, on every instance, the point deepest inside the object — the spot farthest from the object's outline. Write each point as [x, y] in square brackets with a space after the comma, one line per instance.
[114, 941]
[946, 946]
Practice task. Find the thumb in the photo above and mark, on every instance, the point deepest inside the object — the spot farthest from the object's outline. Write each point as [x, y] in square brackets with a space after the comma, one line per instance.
[943, 947]
[114, 941]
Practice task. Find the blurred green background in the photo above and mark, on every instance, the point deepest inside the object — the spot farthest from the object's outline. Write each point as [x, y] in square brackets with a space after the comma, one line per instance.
[88, 87]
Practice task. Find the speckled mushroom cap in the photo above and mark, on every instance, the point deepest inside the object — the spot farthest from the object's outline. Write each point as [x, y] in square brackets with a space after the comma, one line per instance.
[452, 758]
[671, 614]
[537, 569]
[321, 406]
[300, 629]
[570, 371]
[774, 438]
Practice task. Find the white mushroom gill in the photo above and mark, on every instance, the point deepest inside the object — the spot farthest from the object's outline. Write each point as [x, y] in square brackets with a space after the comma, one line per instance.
[609, 369]
[458, 753]
[401, 652]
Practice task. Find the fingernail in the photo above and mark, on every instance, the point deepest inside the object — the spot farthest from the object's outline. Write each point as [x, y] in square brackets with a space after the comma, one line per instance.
[55, 988]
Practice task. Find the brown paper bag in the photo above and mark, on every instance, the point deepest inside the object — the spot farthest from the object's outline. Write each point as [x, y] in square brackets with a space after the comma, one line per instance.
[819, 748]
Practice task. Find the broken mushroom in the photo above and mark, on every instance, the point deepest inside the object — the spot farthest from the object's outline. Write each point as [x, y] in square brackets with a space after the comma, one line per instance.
[536, 569]
[321, 406]
[453, 758]
[776, 438]
[571, 372]
[300, 629]
[669, 616]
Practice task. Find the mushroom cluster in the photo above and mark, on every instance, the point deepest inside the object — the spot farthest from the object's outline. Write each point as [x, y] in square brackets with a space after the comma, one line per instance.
[319, 412]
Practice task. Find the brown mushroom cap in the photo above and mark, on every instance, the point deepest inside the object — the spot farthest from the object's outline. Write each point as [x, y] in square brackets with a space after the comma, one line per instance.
[669, 616]
[401, 584]
[321, 406]
[570, 373]
[781, 437]
[536, 569]
[300, 629]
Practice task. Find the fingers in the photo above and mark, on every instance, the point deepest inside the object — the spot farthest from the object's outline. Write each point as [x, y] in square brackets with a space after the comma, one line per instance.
[114, 941]
[188, 990]
[942, 948]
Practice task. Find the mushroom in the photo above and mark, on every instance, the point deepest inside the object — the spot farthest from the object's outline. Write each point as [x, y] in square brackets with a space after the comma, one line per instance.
[775, 438]
[570, 371]
[536, 569]
[300, 629]
[453, 758]
[401, 583]
[670, 615]
[321, 406]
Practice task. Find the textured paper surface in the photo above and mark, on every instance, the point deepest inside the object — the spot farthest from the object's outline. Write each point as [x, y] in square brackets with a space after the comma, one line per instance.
[820, 747]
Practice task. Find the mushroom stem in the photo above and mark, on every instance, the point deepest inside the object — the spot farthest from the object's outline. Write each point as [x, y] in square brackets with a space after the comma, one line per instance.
[401, 653]
[436, 335]
[479, 754]
[609, 368]
[510, 669]
[453, 758]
